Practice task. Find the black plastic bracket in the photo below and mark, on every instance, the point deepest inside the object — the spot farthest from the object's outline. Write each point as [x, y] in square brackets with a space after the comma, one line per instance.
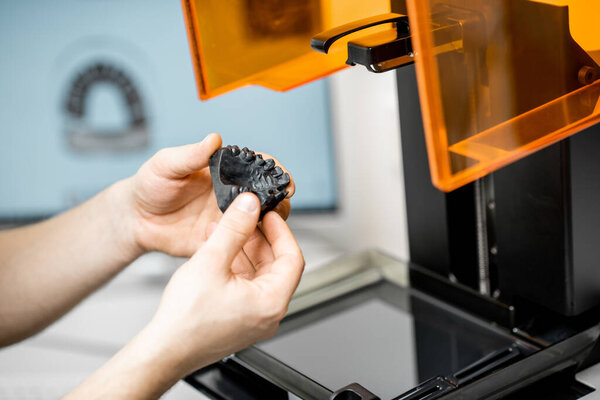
[354, 391]
[377, 54]
[486, 364]
[428, 390]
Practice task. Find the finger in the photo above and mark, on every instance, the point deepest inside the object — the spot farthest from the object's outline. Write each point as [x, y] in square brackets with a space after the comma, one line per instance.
[234, 229]
[179, 162]
[242, 265]
[291, 187]
[258, 249]
[286, 270]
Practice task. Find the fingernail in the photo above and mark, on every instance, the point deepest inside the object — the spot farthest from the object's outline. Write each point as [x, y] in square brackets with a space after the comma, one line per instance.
[246, 202]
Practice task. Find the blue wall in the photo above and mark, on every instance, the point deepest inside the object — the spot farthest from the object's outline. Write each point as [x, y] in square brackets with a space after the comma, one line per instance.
[45, 44]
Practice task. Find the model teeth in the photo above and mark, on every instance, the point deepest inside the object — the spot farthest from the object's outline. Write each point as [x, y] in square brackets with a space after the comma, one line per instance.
[284, 179]
[235, 171]
[269, 164]
[247, 151]
[247, 155]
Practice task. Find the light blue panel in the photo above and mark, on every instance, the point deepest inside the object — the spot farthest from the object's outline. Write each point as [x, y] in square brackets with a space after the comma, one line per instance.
[46, 44]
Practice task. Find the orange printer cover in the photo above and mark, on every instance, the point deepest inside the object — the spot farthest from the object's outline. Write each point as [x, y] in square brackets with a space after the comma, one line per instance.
[498, 79]
[236, 43]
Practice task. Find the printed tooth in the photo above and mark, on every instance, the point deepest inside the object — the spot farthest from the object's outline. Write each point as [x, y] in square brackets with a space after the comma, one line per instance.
[245, 189]
[284, 179]
[235, 150]
[235, 190]
[269, 164]
[259, 156]
[277, 172]
[263, 180]
[249, 157]
[259, 161]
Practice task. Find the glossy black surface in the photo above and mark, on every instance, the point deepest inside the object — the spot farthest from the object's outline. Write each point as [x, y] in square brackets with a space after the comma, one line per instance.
[441, 226]
[228, 380]
[385, 337]
[393, 340]
[548, 225]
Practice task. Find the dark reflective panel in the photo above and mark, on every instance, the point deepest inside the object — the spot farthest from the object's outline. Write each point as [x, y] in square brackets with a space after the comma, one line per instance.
[385, 337]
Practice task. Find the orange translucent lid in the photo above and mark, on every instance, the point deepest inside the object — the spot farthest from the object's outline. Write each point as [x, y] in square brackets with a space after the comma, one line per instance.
[236, 43]
[500, 79]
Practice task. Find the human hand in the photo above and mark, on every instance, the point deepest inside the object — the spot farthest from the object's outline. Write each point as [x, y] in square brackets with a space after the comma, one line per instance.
[172, 201]
[209, 311]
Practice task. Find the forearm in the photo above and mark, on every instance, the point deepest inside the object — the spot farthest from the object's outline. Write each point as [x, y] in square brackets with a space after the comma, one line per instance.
[47, 268]
[144, 369]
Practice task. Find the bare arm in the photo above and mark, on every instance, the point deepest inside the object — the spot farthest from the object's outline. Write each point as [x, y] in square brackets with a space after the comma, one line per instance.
[47, 268]
[232, 293]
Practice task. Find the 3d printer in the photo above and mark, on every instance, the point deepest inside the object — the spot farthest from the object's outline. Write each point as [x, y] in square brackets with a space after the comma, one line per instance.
[501, 296]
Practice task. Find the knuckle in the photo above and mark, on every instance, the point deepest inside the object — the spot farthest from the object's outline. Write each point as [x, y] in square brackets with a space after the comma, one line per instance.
[160, 159]
[162, 154]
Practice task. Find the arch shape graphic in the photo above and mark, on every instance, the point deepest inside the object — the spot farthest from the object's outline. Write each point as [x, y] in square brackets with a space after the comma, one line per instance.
[83, 137]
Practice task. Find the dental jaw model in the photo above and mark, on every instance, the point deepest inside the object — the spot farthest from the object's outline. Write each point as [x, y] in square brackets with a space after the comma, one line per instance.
[234, 171]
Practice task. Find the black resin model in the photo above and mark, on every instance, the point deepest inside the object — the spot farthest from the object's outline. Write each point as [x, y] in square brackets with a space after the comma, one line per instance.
[234, 171]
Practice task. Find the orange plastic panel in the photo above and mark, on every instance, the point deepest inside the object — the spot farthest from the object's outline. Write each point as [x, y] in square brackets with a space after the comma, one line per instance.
[500, 79]
[236, 43]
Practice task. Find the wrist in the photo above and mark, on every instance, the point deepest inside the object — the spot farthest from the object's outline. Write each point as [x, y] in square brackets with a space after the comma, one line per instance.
[178, 347]
[163, 355]
[143, 369]
[119, 203]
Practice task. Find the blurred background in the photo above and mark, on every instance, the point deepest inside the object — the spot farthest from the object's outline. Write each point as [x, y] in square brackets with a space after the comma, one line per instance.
[89, 90]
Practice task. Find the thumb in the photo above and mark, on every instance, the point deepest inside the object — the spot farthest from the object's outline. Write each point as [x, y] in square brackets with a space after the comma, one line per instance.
[179, 162]
[232, 232]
